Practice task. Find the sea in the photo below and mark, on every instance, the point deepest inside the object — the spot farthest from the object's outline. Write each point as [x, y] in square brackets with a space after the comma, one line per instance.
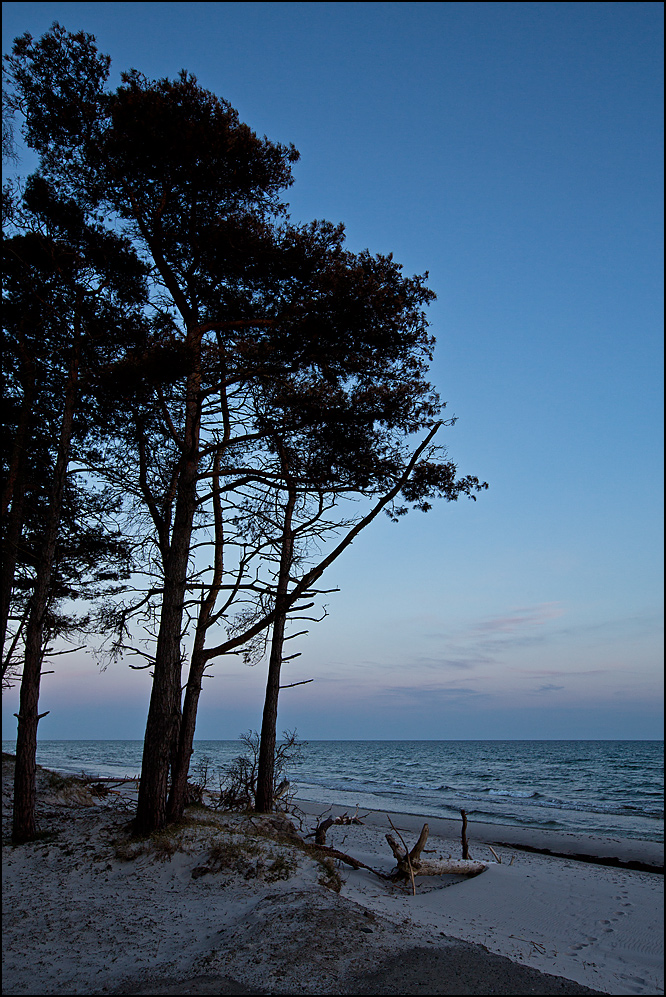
[608, 788]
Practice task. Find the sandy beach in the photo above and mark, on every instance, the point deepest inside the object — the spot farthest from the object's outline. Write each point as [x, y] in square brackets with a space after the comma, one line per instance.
[231, 904]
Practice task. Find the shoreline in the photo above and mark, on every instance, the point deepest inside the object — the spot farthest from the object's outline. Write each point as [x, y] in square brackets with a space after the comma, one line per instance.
[627, 853]
[117, 915]
[642, 854]
[627, 808]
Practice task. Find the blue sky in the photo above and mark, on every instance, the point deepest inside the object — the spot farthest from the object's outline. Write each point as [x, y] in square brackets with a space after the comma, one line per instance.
[513, 150]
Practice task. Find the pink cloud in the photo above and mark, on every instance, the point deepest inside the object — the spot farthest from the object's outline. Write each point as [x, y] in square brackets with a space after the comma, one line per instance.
[521, 618]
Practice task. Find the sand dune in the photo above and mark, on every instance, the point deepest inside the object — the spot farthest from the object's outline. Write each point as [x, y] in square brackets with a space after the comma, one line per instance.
[220, 906]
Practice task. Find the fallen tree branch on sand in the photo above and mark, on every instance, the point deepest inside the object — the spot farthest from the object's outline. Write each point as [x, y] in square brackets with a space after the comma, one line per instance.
[334, 853]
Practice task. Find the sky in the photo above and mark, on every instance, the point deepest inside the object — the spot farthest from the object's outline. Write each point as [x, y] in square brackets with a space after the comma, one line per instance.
[514, 151]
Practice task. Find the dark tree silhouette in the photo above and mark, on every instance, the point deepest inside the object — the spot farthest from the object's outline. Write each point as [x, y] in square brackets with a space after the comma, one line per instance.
[276, 360]
[67, 291]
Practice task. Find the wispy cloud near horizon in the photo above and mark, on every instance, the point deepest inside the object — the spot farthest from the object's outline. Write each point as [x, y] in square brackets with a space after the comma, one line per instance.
[519, 619]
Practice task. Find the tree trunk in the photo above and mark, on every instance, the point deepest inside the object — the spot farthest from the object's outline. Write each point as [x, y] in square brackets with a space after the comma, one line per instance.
[24, 827]
[264, 796]
[264, 801]
[164, 713]
[181, 764]
[163, 722]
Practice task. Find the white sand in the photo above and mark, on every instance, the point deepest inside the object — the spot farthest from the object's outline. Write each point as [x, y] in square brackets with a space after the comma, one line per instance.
[80, 916]
[599, 926]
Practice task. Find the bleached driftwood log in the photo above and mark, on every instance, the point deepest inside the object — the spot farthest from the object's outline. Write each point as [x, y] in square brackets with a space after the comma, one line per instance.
[410, 864]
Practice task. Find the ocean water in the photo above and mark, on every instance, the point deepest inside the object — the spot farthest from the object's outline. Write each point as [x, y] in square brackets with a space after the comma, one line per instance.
[611, 788]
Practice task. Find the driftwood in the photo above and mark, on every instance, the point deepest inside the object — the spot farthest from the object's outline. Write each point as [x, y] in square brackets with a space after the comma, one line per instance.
[463, 836]
[409, 863]
[403, 856]
[321, 849]
[319, 833]
[334, 853]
